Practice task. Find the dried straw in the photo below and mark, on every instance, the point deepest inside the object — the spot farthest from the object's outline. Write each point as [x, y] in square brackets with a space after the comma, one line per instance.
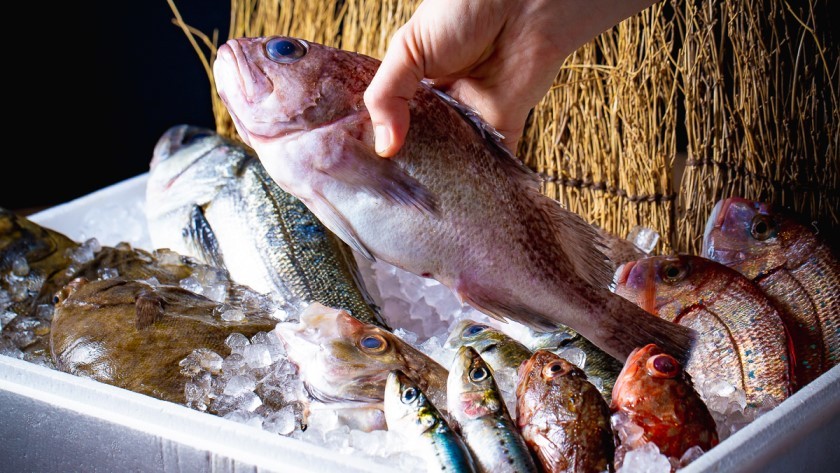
[756, 80]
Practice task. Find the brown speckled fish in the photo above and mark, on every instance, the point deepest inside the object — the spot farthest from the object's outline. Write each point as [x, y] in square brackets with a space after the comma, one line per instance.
[792, 265]
[742, 337]
[562, 416]
[654, 401]
[452, 205]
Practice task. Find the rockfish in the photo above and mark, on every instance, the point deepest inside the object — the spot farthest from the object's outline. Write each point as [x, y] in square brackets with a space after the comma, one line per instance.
[210, 198]
[453, 204]
[343, 360]
[562, 416]
[408, 411]
[654, 401]
[793, 265]
[742, 338]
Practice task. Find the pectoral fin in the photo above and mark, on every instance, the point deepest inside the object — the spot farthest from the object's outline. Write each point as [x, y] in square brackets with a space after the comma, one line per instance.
[339, 225]
[203, 239]
[359, 166]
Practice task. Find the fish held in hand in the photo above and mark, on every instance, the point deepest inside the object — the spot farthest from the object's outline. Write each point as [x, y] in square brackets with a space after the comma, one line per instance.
[742, 338]
[453, 204]
[345, 361]
[409, 411]
[211, 198]
[562, 416]
[654, 401]
[480, 415]
[793, 265]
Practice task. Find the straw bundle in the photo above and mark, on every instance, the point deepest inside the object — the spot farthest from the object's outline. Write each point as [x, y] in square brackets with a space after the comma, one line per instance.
[750, 86]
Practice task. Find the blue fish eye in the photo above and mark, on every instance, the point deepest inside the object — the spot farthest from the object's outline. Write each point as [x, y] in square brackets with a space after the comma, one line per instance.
[409, 395]
[372, 342]
[479, 374]
[474, 329]
[285, 50]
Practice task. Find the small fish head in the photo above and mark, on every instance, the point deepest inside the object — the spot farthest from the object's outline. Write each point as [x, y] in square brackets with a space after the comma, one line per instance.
[179, 137]
[406, 407]
[277, 86]
[748, 236]
[543, 373]
[470, 387]
[474, 334]
[650, 375]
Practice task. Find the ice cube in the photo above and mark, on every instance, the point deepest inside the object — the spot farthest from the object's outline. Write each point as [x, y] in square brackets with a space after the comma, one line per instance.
[204, 358]
[257, 356]
[167, 257]
[233, 315]
[234, 363]
[20, 267]
[645, 459]
[408, 337]
[217, 292]
[236, 340]
[19, 291]
[573, 355]
[238, 416]
[690, 455]
[5, 300]
[240, 384]
[644, 238]
[107, 273]
[6, 316]
[248, 401]
[195, 396]
[281, 422]
[191, 284]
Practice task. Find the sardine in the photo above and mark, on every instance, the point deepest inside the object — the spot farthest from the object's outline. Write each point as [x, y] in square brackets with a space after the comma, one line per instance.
[655, 401]
[345, 361]
[793, 265]
[500, 351]
[562, 416]
[133, 335]
[480, 416]
[742, 338]
[452, 205]
[210, 198]
[408, 411]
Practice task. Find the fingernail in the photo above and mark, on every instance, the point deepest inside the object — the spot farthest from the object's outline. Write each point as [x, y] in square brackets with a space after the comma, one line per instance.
[382, 138]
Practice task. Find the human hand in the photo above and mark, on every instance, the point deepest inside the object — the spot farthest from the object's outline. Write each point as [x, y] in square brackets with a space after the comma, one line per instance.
[498, 56]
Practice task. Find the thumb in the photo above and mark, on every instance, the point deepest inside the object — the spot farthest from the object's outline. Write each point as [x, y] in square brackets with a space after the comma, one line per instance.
[393, 85]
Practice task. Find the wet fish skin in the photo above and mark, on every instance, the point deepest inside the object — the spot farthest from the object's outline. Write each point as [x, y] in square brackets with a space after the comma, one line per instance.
[104, 330]
[482, 228]
[655, 395]
[211, 198]
[343, 360]
[408, 410]
[480, 416]
[563, 418]
[742, 340]
[794, 266]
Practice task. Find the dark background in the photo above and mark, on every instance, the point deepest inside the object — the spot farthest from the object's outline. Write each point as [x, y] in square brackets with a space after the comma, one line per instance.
[110, 78]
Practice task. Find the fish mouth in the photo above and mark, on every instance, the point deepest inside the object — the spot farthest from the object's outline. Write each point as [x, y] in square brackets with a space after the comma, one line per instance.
[622, 273]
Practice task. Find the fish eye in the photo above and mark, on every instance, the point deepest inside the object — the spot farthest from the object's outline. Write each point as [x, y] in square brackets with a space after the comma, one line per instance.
[285, 50]
[662, 366]
[479, 374]
[555, 368]
[762, 227]
[373, 343]
[409, 395]
[673, 272]
[474, 329]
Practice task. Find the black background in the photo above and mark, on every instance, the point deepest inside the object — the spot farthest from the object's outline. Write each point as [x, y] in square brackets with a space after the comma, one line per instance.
[103, 83]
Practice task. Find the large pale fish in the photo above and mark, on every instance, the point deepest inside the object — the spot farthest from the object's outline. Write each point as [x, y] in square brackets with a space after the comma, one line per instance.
[133, 335]
[654, 401]
[792, 264]
[345, 361]
[562, 416]
[742, 338]
[408, 411]
[480, 416]
[453, 204]
[210, 198]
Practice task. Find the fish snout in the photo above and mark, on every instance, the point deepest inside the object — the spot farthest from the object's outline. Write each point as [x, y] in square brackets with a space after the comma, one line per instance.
[623, 272]
[175, 139]
[234, 68]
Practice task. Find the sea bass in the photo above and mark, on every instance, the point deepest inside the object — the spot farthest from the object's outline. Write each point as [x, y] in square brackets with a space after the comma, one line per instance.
[795, 268]
[343, 360]
[562, 416]
[742, 338]
[408, 411]
[210, 198]
[480, 415]
[453, 204]
[133, 335]
[654, 401]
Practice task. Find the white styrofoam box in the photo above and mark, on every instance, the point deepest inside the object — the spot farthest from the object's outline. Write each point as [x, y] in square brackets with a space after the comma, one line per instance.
[53, 421]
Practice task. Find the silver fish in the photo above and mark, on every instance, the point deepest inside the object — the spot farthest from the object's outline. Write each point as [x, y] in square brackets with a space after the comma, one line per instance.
[452, 205]
[210, 198]
[478, 410]
[409, 411]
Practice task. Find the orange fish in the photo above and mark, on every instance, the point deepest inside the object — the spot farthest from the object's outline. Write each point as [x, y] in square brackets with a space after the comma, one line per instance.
[742, 337]
[792, 265]
[654, 401]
